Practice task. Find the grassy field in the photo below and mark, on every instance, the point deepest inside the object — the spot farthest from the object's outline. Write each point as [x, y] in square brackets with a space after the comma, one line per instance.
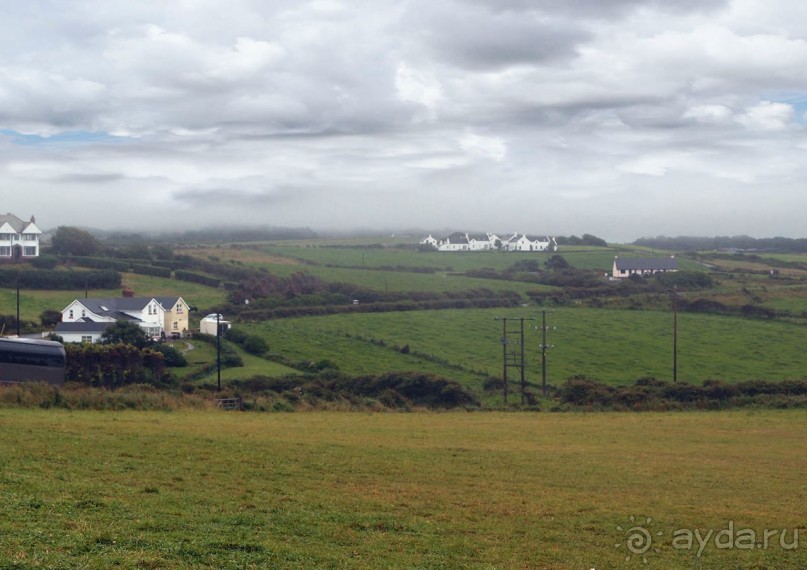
[34, 302]
[203, 355]
[615, 346]
[326, 490]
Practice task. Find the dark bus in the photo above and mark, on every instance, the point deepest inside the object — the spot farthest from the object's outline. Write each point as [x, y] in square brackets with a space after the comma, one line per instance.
[31, 360]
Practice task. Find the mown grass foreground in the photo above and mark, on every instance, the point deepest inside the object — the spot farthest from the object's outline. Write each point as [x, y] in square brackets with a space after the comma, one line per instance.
[211, 489]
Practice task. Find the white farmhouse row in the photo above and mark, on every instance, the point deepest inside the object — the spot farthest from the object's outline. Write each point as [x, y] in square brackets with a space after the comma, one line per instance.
[459, 241]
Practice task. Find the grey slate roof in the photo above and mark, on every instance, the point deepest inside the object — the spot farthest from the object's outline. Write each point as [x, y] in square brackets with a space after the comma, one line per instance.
[457, 237]
[646, 263]
[17, 224]
[81, 327]
[167, 302]
[114, 306]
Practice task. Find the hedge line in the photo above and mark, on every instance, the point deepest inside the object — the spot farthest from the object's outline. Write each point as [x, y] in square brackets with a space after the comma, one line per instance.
[60, 280]
[653, 394]
[197, 278]
[303, 311]
[393, 390]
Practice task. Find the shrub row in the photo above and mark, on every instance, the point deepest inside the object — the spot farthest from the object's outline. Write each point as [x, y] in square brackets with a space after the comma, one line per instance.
[229, 357]
[301, 311]
[650, 393]
[152, 270]
[183, 275]
[114, 365]
[60, 280]
[393, 390]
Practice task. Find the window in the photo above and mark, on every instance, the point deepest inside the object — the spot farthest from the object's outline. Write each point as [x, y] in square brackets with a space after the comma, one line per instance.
[5, 237]
[5, 251]
[175, 326]
[29, 250]
[83, 313]
[179, 308]
[70, 314]
[29, 237]
[86, 338]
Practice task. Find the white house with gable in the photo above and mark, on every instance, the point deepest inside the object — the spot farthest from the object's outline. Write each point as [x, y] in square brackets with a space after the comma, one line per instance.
[523, 242]
[84, 320]
[459, 241]
[18, 239]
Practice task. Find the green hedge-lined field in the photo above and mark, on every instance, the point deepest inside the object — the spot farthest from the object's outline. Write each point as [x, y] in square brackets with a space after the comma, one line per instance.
[209, 489]
[615, 346]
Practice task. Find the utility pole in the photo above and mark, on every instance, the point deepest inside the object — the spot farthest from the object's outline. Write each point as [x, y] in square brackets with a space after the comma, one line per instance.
[513, 355]
[543, 352]
[544, 347]
[675, 336]
[218, 349]
[18, 306]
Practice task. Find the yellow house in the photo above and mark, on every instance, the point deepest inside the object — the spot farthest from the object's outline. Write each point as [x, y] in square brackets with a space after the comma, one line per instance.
[176, 315]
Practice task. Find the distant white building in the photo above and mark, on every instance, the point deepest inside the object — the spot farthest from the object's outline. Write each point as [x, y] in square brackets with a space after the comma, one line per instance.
[627, 266]
[523, 242]
[455, 242]
[85, 320]
[459, 241]
[18, 239]
[430, 241]
[213, 323]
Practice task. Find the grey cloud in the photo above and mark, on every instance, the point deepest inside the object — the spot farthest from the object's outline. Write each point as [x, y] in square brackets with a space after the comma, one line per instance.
[582, 113]
[480, 38]
[596, 9]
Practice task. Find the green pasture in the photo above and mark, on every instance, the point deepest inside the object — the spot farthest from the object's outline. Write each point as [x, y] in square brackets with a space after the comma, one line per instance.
[213, 489]
[615, 346]
[34, 302]
[201, 355]
[402, 281]
[600, 258]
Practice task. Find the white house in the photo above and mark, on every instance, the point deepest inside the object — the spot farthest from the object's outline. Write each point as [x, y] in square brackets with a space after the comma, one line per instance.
[18, 239]
[213, 323]
[455, 242]
[84, 320]
[459, 241]
[523, 242]
[81, 331]
[430, 241]
[479, 242]
[627, 266]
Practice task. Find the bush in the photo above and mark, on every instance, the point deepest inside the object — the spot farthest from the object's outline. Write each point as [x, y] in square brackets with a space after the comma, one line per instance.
[254, 344]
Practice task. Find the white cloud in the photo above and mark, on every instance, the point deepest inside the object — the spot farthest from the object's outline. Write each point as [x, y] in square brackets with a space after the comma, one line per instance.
[418, 87]
[768, 116]
[300, 110]
[493, 148]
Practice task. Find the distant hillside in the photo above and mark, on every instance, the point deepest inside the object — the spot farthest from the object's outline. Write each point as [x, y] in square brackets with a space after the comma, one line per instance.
[693, 243]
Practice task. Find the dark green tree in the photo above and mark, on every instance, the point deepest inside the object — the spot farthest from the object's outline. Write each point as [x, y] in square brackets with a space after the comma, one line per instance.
[68, 240]
[254, 344]
[125, 332]
[49, 317]
[556, 263]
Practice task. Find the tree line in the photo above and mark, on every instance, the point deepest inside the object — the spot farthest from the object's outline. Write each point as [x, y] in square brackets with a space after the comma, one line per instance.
[717, 243]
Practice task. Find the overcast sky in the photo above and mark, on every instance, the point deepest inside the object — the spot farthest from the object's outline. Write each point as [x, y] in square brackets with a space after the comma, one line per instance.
[622, 118]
